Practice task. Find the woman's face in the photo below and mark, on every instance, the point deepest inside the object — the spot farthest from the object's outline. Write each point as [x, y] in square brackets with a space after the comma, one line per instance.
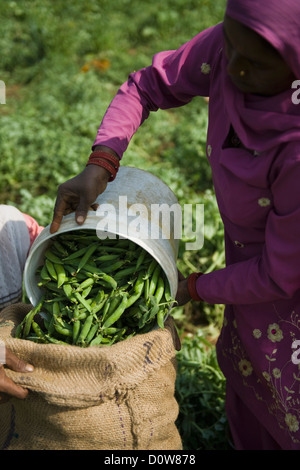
[264, 72]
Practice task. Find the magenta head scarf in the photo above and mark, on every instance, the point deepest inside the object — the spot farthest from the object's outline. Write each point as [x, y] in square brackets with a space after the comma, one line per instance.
[276, 21]
[264, 122]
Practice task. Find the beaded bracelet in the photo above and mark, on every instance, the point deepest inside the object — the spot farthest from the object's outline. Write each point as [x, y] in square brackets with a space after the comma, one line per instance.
[105, 160]
[192, 279]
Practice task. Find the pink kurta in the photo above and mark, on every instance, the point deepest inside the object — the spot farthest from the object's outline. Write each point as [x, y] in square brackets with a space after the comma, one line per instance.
[257, 190]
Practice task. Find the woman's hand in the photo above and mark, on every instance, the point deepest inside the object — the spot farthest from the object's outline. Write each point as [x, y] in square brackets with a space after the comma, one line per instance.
[18, 365]
[79, 194]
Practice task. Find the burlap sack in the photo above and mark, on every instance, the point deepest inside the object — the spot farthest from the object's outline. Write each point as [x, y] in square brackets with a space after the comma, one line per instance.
[118, 397]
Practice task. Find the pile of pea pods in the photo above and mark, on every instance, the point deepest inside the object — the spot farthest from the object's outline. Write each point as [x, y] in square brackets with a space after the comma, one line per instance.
[96, 292]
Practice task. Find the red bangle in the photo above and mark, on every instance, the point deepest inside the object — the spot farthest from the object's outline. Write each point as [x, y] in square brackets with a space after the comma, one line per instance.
[192, 279]
[105, 160]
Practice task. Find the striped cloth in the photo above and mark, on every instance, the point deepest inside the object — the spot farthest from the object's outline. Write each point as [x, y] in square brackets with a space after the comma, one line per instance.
[15, 241]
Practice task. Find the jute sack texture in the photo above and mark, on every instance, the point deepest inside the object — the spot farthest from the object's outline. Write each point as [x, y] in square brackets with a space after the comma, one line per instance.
[118, 397]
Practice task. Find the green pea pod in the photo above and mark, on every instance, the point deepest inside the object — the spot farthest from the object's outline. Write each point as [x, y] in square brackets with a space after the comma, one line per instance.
[154, 279]
[70, 269]
[30, 316]
[68, 290]
[107, 257]
[38, 331]
[52, 257]
[119, 336]
[117, 313]
[140, 258]
[53, 340]
[60, 321]
[85, 293]
[98, 306]
[111, 249]
[97, 273]
[98, 299]
[139, 284]
[146, 289]
[76, 330]
[122, 242]
[151, 268]
[51, 270]
[87, 256]
[55, 308]
[19, 330]
[113, 267]
[83, 302]
[87, 283]
[160, 318]
[97, 340]
[61, 274]
[124, 273]
[115, 301]
[167, 292]
[63, 331]
[106, 308]
[51, 325]
[108, 280]
[44, 274]
[82, 315]
[92, 332]
[159, 292]
[76, 312]
[76, 254]
[110, 330]
[60, 248]
[85, 329]
[137, 290]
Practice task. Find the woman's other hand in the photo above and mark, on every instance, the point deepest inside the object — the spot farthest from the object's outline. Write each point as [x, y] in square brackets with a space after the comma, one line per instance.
[183, 295]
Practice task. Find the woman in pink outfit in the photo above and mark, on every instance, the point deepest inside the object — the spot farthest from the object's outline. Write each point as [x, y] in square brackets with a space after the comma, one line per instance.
[249, 66]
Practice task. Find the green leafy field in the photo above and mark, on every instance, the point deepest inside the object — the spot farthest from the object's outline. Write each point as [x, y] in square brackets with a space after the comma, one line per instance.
[62, 63]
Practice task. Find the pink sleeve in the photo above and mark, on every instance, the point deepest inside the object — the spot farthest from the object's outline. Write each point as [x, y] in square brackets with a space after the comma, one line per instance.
[275, 274]
[173, 80]
[34, 228]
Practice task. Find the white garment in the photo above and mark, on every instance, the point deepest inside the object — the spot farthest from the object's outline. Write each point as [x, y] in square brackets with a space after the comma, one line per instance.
[14, 246]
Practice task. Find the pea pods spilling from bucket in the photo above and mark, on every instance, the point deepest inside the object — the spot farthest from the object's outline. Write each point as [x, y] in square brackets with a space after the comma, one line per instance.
[98, 284]
[96, 292]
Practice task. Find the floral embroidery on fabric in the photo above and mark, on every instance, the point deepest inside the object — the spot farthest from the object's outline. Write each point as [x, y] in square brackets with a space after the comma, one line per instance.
[292, 422]
[273, 377]
[256, 333]
[245, 367]
[264, 201]
[205, 68]
[274, 333]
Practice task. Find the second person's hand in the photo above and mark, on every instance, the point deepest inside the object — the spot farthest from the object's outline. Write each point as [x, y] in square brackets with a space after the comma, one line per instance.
[18, 365]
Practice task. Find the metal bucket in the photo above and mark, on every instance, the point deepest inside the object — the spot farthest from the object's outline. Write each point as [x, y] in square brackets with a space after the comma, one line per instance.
[133, 191]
